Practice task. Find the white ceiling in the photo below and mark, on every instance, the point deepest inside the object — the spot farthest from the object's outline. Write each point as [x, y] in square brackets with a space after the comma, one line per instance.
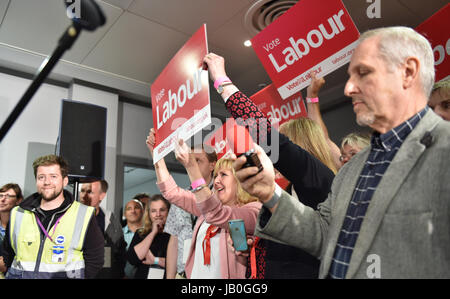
[141, 36]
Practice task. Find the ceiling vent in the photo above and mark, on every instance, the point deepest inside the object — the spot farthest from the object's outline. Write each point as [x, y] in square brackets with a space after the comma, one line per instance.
[263, 12]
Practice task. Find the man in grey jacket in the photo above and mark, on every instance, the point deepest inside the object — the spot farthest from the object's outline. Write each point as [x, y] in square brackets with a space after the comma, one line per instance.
[388, 212]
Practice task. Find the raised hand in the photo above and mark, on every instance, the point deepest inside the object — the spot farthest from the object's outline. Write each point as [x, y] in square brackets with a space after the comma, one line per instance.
[316, 84]
[150, 141]
[216, 66]
[182, 153]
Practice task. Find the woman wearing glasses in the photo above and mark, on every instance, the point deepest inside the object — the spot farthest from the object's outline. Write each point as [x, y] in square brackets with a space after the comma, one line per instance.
[10, 196]
[352, 144]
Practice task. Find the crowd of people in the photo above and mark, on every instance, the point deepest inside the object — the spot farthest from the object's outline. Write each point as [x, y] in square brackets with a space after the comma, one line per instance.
[377, 206]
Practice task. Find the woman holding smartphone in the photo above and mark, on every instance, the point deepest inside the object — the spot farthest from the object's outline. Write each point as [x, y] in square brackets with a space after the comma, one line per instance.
[209, 255]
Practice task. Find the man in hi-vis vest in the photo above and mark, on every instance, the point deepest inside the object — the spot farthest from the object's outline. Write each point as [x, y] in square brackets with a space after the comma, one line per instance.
[50, 235]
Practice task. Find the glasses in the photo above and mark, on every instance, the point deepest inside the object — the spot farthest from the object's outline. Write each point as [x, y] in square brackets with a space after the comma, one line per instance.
[7, 196]
[347, 156]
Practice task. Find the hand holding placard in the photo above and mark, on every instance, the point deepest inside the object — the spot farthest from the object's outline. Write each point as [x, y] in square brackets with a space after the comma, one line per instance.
[150, 141]
[182, 153]
[316, 84]
[216, 66]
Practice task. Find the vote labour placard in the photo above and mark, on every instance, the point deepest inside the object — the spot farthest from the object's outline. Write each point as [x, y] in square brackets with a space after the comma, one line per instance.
[278, 111]
[180, 96]
[439, 37]
[311, 35]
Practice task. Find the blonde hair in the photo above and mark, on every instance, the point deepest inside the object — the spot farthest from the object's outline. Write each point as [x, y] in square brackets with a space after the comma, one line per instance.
[307, 134]
[243, 196]
[360, 140]
[148, 224]
[444, 84]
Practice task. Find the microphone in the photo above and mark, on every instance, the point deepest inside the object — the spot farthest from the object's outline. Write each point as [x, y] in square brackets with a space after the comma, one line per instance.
[90, 17]
[427, 139]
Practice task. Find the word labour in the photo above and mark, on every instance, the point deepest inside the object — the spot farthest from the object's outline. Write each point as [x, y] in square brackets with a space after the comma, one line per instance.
[177, 100]
[302, 47]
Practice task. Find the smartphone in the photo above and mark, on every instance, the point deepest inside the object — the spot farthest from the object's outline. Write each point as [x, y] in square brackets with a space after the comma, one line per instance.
[238, 235]
[252, 160]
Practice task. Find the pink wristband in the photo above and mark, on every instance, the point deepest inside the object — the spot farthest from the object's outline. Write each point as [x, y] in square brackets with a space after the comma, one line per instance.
[220, 80]
[197, 183]
[312, 100]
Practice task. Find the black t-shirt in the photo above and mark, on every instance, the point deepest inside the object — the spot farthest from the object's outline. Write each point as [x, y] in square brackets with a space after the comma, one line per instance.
[158, 248]
[101, 220]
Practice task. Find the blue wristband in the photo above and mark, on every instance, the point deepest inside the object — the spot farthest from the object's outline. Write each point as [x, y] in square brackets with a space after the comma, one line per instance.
[156, 262]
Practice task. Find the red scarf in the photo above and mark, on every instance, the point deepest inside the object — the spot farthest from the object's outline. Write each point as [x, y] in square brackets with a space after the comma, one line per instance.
[253, 258]
[207, 243]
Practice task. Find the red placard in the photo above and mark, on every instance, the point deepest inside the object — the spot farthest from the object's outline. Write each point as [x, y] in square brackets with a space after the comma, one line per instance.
[218, 140]
[180, 96]
[278, 111]
[434, 29]
[311, 35]
[230, 138]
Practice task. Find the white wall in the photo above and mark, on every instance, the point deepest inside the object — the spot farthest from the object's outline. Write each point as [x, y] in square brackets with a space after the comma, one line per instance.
[136, 122]
[39, 122]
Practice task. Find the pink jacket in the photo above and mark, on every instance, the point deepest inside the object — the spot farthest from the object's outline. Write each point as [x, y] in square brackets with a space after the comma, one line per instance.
[214, 212]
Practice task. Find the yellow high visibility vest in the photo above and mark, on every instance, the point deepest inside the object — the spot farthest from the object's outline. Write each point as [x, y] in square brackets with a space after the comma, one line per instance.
[41, 257]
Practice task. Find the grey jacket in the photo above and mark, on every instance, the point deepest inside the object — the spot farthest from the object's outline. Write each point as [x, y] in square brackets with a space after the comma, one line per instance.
[406, 230]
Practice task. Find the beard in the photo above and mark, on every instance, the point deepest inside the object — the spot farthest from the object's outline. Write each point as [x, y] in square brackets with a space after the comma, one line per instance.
[366, 118]
[51, 196]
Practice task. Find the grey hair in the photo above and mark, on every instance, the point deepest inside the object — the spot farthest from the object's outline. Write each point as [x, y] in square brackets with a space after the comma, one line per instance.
[398, 43]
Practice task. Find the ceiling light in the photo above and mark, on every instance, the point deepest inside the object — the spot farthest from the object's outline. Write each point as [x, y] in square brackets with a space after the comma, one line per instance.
[247, 43]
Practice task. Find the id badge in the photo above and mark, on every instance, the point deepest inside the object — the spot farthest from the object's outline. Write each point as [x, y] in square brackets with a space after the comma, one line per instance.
[58, 254]
[155, 273]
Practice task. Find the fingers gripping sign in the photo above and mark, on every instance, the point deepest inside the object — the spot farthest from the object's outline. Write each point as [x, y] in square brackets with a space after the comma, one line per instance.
[316, 84]
[182, 152]
[150, 141]
[216, 66]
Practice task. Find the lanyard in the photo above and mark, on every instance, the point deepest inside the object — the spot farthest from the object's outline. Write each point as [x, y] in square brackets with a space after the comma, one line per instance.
[44, 230]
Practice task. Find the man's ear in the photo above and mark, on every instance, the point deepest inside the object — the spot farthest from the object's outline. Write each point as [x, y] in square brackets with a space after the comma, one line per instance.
[102, 195]
[66, 181]
[410, 72]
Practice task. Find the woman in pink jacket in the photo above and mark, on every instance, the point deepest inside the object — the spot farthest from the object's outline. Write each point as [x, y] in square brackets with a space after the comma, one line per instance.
[209, 255]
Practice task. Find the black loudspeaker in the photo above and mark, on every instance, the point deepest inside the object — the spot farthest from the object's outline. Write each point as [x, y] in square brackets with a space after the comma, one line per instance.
[82, 140]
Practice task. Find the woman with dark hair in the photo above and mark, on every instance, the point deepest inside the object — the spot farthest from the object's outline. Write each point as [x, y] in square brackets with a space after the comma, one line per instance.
[10, 196]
